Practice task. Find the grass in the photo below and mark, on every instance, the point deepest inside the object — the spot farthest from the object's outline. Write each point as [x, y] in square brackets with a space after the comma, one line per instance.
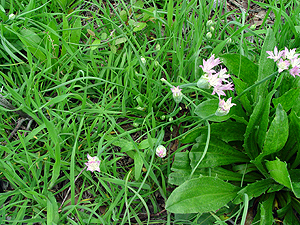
[76, 69]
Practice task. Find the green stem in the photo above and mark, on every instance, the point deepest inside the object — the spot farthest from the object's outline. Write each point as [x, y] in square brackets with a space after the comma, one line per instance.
[205, 149]
[254, 85]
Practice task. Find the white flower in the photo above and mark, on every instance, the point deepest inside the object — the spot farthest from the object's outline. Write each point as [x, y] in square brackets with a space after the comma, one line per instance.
[224, 107]
[161, 151]
[276, 55]
[289, 54]
[282, 65]
[93, 164]
[11, 16]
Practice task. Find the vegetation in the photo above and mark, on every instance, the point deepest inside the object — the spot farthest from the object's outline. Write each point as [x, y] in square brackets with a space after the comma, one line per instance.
[86, 85]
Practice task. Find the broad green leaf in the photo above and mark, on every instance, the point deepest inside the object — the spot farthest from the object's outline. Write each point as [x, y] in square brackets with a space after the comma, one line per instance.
[170, 13]
[226, 131]
[52, 209]
[278, 171]
[278, 132]
[239, 87]
[138, 5]
[62, 4]
[292, 146]
[139, 26]
[181, 162]
[218, 154]
[182, 170]
[65, 34]
[266, 66]
[257, 126]
[146, 143]
[254, 190]
[266, 210]
[123, 143]
[76, 33]
[264, 120]
[103, 36]
[33, 42]
[241, 66]
[138, 165]
[290, 218]
[208, 108]
[288, 99]
[295, 177]
[3, 14]
[95, 44]
[120, 40]
[54, 36]
[123, 15]
[250, 144]
[201, 195]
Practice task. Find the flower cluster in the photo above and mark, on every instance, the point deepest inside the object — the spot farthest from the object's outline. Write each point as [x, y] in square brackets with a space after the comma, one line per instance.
[161, 151]
[217, 80]
[286, 60]
[93, 163]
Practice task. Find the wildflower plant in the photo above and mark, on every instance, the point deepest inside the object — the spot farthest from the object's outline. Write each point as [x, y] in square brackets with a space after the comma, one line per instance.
[246, 148]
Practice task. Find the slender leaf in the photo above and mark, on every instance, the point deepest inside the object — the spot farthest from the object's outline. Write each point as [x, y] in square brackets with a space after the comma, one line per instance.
[266, 66]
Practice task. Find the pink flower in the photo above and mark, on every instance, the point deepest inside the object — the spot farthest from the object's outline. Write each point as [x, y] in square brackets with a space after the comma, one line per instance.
[209, 64]
[276, 56]
[177, 95]
[295, 71]
[219, 89]
[161, 151]
[214, 80]
[289, 54]
[222, 74]
[282, 65]
[224, 107]
[93, 164]
[295, 62]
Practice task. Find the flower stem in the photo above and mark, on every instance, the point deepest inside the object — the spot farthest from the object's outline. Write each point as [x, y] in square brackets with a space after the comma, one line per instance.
[254, 85]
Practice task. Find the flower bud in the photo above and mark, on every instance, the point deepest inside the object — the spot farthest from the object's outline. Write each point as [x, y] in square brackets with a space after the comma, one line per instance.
[253, 26]
[157, 47]
[224, 107]
[143, 60]
[209, 23]
[11, 16]
[177, 95]
[229, 40]
[161, 151]
[211, 29]
[203, 82]
[209, 35]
